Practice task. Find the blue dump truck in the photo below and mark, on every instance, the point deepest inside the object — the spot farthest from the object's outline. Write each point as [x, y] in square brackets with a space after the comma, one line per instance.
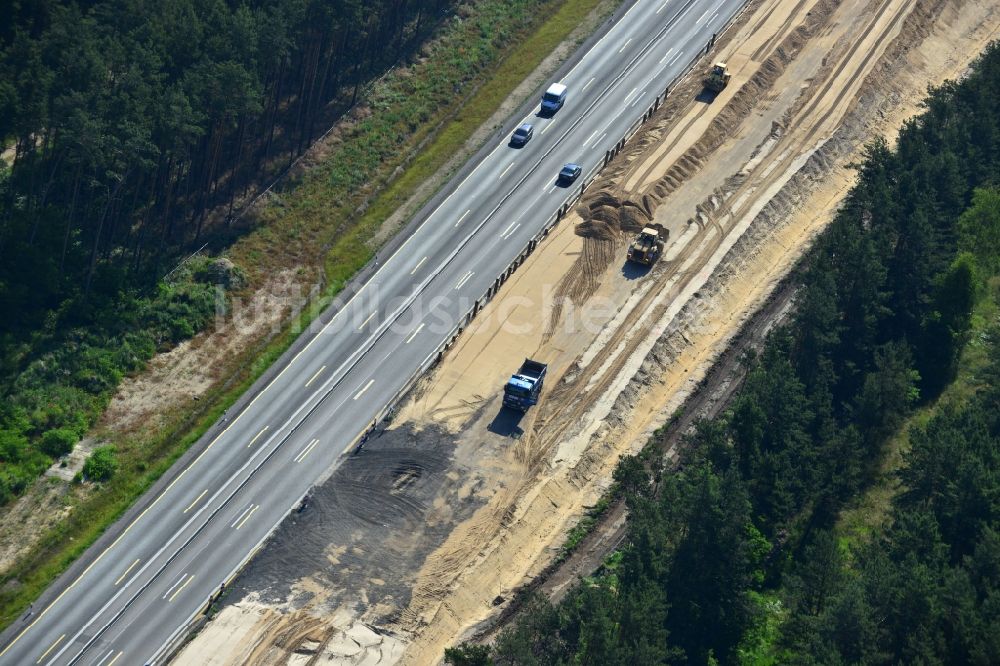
[524, 386]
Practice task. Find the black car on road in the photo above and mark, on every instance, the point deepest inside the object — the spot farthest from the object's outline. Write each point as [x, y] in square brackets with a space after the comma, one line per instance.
[522, 135]
[570, 172]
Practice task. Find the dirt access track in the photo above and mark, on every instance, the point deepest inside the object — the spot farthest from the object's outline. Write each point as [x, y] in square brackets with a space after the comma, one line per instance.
[424, 534]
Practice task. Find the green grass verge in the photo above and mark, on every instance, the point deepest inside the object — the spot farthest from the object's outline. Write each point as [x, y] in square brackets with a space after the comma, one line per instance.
[70, 538]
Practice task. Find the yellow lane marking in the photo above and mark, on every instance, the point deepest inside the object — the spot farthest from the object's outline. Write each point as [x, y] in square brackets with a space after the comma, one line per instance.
[51, 648]
[465, 278]
[262, 431]
[196, 500]
[367, 386]
[304, 452]
[463, 217]
[367, 320]
[130, 567]
[240, 517]
[178, 590]
[117, 657]
[414, 334]
[313, 378]
[246, 518]
[419, 264]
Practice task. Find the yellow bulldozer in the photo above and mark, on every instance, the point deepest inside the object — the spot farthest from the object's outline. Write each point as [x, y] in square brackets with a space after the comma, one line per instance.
[718, 78]
[647, 246]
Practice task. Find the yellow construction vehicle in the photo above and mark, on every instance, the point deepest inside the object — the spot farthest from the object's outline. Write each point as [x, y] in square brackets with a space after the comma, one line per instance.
[718, 78]
[647, 246]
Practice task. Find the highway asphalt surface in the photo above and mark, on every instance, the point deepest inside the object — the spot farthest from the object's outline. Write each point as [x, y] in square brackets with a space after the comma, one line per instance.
[141, 592]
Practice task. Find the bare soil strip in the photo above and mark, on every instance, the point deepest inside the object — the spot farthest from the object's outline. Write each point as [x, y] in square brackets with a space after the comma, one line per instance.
[464, 502]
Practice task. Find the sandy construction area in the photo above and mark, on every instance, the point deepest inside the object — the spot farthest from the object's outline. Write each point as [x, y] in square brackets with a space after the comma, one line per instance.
[421, 537]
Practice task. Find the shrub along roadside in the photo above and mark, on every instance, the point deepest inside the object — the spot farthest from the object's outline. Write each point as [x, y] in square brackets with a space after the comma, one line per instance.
[67, 379]
[61, 546]
[101, 465]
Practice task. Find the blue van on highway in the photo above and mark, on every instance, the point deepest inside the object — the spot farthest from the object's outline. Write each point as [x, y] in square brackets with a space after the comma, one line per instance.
[553, 99]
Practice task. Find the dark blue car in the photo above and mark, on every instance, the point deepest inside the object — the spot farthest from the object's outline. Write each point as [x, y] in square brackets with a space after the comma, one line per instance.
[570, 172]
